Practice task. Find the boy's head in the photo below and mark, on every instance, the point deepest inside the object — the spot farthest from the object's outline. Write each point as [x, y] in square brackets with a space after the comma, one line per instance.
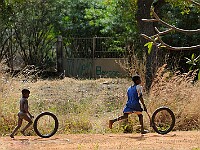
[25, 93]
[136, 79]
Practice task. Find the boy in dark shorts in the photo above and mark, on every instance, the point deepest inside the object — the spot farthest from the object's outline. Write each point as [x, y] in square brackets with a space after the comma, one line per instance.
[134, 94]
[23, 114]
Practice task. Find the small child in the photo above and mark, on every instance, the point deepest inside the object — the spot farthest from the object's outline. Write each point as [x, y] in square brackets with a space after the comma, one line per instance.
[134, 94]
[23, 113]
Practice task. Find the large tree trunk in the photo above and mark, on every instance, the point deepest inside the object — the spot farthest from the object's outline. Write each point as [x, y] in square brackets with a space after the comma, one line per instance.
[143, 12]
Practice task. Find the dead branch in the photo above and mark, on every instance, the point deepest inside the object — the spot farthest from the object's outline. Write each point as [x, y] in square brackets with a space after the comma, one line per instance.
[156, 39]
[157, 19]
[194, 2]
[177, 48]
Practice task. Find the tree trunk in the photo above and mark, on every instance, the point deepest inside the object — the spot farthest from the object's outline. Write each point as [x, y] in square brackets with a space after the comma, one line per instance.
[147, 28]
[59, 53]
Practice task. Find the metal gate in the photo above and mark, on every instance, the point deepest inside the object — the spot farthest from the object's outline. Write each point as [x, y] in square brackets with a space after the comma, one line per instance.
[94, 57]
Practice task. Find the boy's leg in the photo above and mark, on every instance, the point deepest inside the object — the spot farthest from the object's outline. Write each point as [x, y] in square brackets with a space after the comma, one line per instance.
[125, 116]
[141, 122]
[17, 127]
[28, 125]
[142, 125]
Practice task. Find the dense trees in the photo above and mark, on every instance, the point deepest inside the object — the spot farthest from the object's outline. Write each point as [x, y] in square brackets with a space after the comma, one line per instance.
[28, 31]
[29, 28]
[176, 29]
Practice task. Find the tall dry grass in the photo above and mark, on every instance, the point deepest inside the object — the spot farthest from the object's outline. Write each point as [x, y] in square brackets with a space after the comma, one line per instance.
[85, 106]
[81, 106]
[179, 92]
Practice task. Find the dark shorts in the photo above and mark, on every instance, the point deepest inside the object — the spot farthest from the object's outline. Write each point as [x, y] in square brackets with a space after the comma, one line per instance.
[132, 108]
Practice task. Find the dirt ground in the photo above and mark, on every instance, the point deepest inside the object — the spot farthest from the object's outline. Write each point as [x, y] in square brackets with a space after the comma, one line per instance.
[188, 140]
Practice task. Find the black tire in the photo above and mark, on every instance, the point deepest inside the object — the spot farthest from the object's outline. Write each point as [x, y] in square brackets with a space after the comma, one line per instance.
[163, 120]
[55, 127]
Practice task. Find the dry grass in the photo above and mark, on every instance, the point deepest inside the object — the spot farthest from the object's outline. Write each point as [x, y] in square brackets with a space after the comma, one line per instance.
[180, 93]
[85, 106]
[81, 105]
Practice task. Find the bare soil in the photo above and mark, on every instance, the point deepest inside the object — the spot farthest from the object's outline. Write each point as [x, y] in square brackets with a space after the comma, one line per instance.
[183, 140]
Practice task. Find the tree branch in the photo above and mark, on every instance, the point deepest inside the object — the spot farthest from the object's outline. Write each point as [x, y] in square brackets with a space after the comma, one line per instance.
[177, 48]
[157, 19]
[194, 2]
[163, 32]
[156, 39]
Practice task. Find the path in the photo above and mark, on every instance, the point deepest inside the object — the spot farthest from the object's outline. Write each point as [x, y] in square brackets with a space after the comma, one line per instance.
[189, 140]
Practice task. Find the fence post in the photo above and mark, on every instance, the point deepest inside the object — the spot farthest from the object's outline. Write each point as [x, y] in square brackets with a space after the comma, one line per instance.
[93, 57]
[59, 53]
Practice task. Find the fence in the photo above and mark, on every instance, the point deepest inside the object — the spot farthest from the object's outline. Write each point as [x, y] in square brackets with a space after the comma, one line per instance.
[93, 57]
[95, 68]
[96, 47]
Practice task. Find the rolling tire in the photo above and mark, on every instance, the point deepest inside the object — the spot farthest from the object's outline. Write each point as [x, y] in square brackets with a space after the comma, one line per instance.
[171, 116]
[35, 125]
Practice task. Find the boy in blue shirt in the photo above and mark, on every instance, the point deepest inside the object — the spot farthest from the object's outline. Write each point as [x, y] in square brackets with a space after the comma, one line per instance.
[134, 94]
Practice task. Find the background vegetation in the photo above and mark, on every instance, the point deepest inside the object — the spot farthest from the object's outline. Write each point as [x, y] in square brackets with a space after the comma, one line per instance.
[85, 106]
[29, 28]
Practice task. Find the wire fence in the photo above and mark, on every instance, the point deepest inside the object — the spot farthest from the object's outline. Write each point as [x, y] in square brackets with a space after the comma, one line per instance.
[96, 47]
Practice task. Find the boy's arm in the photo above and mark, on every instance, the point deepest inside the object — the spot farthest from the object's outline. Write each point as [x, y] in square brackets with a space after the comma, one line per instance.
[30, 115]
[26, 109]
[142, 101]
[139, 90]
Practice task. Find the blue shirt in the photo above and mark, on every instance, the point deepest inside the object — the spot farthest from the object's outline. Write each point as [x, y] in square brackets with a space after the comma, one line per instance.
[133, 104]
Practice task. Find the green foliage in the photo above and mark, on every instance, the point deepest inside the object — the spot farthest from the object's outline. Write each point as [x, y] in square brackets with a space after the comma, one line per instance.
[184, 18]
[185, 11]
[180, 3]
[187, 19]
[194, 63]
[149, 46]
[37, 23]
[32, 26]
[77, 125]
[113, 17]
[31, 31]
[198, 76]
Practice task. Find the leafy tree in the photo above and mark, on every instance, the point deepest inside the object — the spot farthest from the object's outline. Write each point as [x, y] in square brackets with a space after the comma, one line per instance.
[31, 23]
[114, 17]
[29, 28]
[5, 32]
[184, 8]
[73, 22]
